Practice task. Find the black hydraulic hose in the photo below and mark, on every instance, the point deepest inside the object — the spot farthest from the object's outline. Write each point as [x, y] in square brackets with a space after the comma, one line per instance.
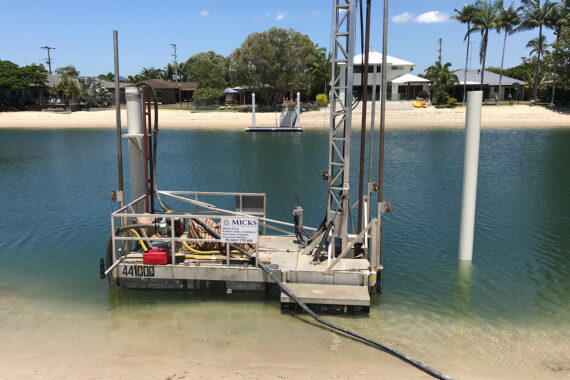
[318, 230]
[416, 363]
[323, 240]
[327, 230]
[109, 250]
[427, 369]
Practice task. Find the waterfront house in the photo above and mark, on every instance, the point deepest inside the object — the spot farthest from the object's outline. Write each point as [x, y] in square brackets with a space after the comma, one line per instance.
[401, 83]
[511, 88]
[171, 92]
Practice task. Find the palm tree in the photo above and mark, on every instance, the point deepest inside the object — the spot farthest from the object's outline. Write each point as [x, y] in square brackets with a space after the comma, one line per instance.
[509, 19]
[535, 46]
[150, 73]
[320, 70]
[487, 17]
[536, 13]
[108, 77]
[465, 16]
[67, 89]
[442, 80]
[559, 22]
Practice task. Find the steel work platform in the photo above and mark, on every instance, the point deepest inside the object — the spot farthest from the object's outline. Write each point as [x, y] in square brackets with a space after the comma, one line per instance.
[340, 279]
[345, 285]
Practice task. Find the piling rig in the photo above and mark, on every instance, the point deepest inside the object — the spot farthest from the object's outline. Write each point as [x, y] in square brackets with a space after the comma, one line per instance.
[155, 246]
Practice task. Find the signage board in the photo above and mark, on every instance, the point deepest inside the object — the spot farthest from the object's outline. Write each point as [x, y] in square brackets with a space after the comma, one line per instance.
[238, 229]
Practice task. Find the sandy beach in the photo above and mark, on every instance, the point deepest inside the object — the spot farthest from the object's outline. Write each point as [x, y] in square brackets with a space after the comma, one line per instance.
[516, 116]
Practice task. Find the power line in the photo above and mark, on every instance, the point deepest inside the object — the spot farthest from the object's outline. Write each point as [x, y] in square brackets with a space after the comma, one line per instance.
[48, 60]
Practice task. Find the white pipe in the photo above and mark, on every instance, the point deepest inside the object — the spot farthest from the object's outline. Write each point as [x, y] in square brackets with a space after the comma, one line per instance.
[136, 151]
[253, 109]
[298, 121]
[113, 266]
[470, 167]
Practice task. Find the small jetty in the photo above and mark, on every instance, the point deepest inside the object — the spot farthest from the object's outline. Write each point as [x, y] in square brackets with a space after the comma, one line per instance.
[289, 121]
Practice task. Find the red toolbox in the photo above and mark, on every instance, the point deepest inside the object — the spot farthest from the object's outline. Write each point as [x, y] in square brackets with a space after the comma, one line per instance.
[157, 256]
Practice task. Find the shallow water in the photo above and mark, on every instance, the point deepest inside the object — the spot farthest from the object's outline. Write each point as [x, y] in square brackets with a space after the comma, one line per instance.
[509, 313]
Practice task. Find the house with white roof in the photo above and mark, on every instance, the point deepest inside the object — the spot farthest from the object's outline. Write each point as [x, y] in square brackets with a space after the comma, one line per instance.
[401, 83]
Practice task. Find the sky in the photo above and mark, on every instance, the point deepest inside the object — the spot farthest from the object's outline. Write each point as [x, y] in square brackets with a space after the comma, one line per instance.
[82, 31]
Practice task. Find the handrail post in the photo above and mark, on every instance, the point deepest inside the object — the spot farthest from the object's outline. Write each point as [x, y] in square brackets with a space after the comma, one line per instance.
[348, 247]
[172, 241]
[373, 251]
[228, 252]
[113, 243]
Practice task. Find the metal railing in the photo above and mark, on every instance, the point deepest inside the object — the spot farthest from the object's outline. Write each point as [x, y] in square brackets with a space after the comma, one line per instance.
[283, 114]
[175, 242]
[251, 205]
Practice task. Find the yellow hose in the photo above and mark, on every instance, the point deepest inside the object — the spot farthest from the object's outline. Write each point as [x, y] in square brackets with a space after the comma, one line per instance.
[140, 241]
[204, 252]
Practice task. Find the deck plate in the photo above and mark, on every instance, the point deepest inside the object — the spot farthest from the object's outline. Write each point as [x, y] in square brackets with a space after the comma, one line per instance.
[328, 294]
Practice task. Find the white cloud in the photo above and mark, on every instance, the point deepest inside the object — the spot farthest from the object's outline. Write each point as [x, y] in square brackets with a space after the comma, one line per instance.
[402, 18]
[280, 15]
[315, 12]
[268, 14]
[204, 14]
[432, 17]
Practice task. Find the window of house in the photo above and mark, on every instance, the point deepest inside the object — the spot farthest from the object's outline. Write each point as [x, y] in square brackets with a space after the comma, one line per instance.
[358, 69]
[397, 67]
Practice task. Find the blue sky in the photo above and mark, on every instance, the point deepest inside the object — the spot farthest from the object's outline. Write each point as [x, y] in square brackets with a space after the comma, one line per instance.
[81, 31]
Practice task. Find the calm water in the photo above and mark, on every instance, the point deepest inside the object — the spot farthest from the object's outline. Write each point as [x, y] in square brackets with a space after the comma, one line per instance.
[55, 223]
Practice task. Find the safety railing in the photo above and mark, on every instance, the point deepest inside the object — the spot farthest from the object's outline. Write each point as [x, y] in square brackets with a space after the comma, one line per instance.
[283, 114]
[247, 205]
[163, 228]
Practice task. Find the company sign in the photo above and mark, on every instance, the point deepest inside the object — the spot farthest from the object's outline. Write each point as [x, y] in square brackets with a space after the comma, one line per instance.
[239, 230]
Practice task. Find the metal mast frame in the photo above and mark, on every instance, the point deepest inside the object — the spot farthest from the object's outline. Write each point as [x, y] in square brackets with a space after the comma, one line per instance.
[343, 31]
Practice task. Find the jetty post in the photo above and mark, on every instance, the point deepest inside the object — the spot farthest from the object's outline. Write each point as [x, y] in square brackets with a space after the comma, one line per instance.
[136, 151]
[298, 110]
[470, 168]
[253, 109]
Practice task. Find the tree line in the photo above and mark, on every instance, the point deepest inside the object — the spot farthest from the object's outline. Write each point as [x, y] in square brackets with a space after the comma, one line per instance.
[90, 91]
[272, 63]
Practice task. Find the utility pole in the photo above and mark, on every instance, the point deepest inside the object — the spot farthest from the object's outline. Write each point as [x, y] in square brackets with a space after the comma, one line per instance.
[48, 60]
[439, 51]
[176, 72]
[175, 63]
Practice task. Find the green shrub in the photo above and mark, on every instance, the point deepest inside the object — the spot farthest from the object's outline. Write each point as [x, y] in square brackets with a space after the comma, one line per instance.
[451, 101]
[208, 95]
[322, 100]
